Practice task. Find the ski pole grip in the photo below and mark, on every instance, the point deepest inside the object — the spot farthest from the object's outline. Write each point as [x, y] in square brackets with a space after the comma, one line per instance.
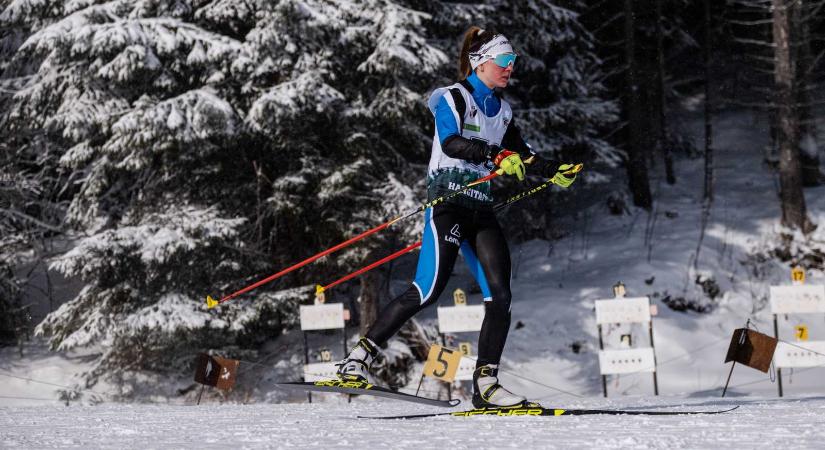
[576, 169]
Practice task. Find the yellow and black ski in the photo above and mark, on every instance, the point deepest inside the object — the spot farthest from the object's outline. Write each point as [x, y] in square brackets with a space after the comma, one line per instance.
[362, 388]
[541, 411]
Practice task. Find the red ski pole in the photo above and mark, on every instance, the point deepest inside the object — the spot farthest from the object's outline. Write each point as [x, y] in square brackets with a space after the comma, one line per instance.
[211, 303]
[320, 289]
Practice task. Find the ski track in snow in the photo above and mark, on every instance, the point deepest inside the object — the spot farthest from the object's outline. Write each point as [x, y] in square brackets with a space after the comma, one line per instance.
[759, 422]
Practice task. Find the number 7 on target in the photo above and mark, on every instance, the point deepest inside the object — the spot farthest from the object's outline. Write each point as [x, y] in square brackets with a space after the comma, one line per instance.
[442, 363]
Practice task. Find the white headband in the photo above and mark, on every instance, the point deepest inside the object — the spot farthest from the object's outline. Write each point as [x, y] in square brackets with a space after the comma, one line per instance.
[496, 46]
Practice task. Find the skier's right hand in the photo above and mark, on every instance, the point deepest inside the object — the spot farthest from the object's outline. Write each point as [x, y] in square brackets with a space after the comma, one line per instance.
[510, 163]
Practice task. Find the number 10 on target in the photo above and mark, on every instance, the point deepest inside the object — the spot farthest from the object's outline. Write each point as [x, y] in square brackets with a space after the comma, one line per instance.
[442, 363]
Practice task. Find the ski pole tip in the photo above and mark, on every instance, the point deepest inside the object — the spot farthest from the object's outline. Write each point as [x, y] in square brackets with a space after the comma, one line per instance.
[211, 302]
[319, 294]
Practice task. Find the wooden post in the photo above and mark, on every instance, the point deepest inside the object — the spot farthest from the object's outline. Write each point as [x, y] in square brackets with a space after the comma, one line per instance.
[728, 382]
[203, 386]
[306, 361]
[778, 369]
[604, 377]
[419, 384]
[655, 378]
[349, 397]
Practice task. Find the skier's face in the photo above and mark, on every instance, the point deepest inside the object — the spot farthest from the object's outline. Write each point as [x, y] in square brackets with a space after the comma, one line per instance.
[494, 75]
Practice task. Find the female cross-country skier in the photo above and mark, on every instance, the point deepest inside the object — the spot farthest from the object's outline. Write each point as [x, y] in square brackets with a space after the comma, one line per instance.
[474, 133]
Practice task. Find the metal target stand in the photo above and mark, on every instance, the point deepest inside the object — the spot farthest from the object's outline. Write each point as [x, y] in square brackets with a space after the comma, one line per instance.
[620, 310]
[316, 318]
[797, 298]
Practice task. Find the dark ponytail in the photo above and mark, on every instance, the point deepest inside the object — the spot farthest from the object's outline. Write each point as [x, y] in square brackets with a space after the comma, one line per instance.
[474, 38]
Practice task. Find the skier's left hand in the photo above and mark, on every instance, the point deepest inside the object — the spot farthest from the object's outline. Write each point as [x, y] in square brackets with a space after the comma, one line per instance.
[564, 179]
[554, 170]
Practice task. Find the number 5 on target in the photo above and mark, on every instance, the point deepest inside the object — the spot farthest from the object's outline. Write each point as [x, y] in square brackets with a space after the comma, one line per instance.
[442, 363]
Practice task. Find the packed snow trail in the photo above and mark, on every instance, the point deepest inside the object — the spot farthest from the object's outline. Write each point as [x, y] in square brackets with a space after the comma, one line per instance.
[759, 422]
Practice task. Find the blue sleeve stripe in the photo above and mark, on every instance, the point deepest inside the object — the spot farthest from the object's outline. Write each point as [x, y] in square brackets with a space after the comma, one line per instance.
[446, 118]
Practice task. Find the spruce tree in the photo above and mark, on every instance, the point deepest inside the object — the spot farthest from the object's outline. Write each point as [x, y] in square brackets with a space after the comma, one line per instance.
[204, 144]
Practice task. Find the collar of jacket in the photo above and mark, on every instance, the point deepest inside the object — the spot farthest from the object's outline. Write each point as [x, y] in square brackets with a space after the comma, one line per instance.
[479, 88]
[482, 94]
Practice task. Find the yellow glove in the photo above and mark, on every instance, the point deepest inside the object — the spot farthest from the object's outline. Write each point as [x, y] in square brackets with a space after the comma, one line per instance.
[510, 163]
[563, 176]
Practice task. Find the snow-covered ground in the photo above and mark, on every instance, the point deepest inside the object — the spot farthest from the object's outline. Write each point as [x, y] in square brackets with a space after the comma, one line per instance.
[653, 255]
[551, 355]
[44, 377]
[758, 423]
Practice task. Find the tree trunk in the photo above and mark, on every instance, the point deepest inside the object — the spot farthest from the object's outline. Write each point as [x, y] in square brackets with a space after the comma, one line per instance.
[708, 186]
[801, 43]
[370, 298]
[661, 139]
[794, 212]
[636, 164]
[647, 75]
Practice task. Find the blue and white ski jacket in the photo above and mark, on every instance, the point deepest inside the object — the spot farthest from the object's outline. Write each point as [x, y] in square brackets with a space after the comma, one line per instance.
[472, 124]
